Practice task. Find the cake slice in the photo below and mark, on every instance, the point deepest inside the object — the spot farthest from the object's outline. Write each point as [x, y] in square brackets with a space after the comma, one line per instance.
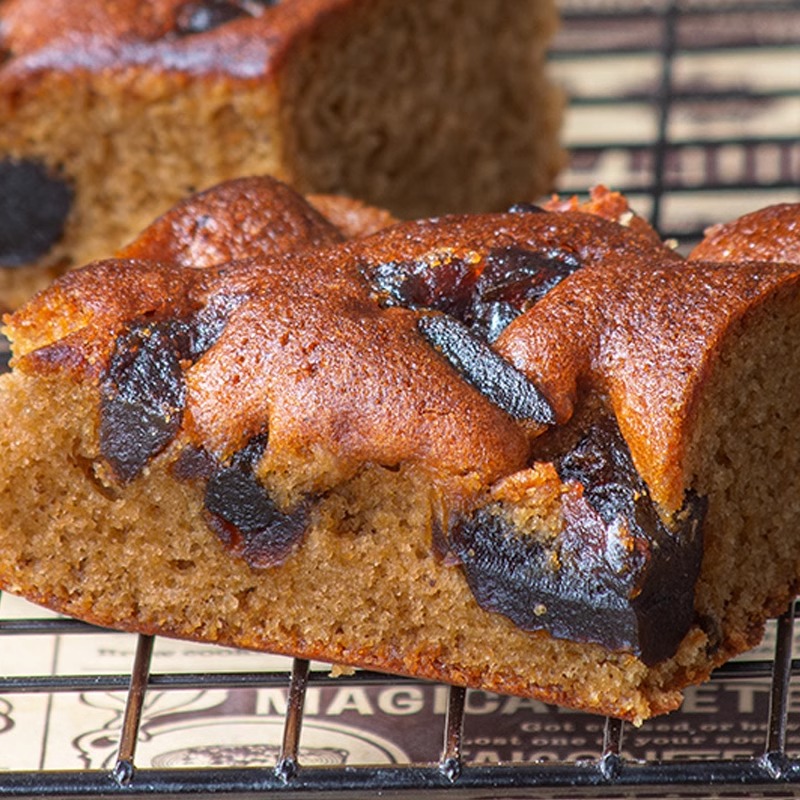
[113, 111]
[532, 452]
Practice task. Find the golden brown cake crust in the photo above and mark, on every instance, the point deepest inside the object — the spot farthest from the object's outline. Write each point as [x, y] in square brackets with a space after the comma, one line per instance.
[255, 216]
[310, 350]
[646, 344]
[769, 234]
[352, 217]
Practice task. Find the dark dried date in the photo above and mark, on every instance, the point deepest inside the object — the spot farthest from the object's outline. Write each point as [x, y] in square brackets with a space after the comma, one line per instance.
[201, 16]
[207, 324]
[526, 208]
[615, 575]
[489, 373]
[193, 463]
[602, 463]
[143, 394]
[246, 518]
[445, 285]
[485, 294]
[143, 389]
[34, 205]
[513, 279]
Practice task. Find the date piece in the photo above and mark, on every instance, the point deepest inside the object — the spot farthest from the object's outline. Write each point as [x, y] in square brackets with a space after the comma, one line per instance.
[513, 279]
[488, 372]
[34, 205]
[245, 517]
[444, 283]
[143, 391]
[615, 575]
[201, 16]
[143, 395]
[486, 294]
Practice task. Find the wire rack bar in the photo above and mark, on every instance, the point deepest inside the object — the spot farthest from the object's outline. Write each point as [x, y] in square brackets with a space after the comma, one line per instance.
[123, 769]
[47, 626]
[750, 778]
[450, 763]
[34, 684]
[287, 765]
[611, 760]
[612, 773]
[572, 12]
[775, 758]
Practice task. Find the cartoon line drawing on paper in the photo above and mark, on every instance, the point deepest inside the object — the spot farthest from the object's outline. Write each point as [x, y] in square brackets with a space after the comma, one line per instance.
[98, 747]
[193, 729]
[6, 715]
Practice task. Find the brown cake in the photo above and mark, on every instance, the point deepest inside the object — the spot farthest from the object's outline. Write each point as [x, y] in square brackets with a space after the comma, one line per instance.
[113, 111]
[769, 234]
[533, 452]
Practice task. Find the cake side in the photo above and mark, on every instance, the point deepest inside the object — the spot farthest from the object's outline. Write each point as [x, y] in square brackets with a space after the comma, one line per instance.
[404, 609]
[704, 389]
[464, 81]
[411, 611]
[742, 455]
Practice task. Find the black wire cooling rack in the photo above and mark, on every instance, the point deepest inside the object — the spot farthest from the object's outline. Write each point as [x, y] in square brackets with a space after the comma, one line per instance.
[692, 109]
[772, 772]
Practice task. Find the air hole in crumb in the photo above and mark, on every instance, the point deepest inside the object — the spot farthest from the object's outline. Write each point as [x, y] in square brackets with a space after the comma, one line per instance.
[89, 468]
[243, 598]
[182, 564]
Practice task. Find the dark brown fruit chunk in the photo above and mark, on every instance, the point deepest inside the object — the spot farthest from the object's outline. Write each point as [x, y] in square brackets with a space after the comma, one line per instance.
[615, 575]
[34, 205]
[207, 324]
[512, 280]
[446, 287]
[245, 516]
[489, 373]
[486, 295]
[201, 16]
[143, 389]
[526, 208]
[193, 463]
[143, 395]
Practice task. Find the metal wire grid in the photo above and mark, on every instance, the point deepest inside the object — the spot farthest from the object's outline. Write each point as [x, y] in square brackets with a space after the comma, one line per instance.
[773, 773]
[687, 137]
[656, 172]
